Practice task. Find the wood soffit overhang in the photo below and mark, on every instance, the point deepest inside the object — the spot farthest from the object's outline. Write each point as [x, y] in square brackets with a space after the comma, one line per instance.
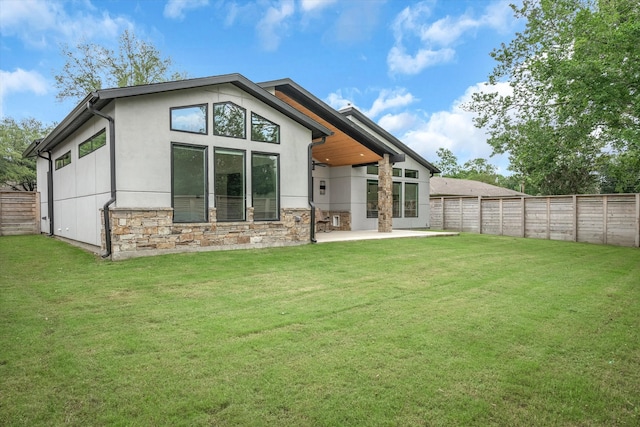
[339, 149]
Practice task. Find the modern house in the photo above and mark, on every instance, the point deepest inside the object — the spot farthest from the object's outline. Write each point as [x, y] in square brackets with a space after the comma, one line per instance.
[221, 163]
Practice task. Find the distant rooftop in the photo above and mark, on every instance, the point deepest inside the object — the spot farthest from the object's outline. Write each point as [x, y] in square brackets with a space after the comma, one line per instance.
[466, 187]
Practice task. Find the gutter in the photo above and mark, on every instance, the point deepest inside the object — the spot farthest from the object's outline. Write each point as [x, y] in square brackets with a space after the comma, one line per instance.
[49, 190]
[310, 180]
[112, 158]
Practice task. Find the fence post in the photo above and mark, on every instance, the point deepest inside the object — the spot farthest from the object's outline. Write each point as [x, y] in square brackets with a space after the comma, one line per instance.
[548, 217]
[524, 216]
[604, 219]
[480, 214]
[638, 220]
[501, 211]
[37, 213]
[575, 218]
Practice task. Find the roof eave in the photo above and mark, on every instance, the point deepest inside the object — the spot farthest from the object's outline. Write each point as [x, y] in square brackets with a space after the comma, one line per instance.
[235, 79]
[68, 125]
[366, 120]
[319, 107]
[80, 114]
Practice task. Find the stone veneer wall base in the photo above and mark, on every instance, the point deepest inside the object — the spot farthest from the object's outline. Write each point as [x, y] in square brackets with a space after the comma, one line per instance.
[140, 232]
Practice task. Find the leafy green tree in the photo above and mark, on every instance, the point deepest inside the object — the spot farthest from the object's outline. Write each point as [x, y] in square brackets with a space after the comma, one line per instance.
[16, 172]
[572, 120]
[480, 170]
[90, 67]
[447, 163]
[477, 169]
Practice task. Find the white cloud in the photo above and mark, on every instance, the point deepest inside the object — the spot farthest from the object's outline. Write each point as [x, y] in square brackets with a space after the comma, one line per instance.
[389, 99]
[394, 123]
[339, 101]
[426, 133]
[40, 22]
[21, 81]
[432, 42]
[312, 5]
[401, 62]
[273, 24]
[175, 9]
[454, 129]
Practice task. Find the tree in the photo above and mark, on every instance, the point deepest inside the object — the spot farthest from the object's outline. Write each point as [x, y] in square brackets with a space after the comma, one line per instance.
[17, 172]
[480, 170]
[447, 163]
[90, 67]
[476, 169]
[574, 110]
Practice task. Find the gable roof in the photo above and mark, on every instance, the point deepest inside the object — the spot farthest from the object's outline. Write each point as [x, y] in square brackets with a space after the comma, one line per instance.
[100, 98]
[440, 186]
[357, 114]
[349, 144]
[342, 124]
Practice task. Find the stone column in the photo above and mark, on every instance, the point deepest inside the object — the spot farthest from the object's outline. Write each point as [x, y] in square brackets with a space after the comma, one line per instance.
[385, 196]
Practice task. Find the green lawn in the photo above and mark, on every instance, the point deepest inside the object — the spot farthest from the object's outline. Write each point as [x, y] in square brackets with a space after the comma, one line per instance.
[460, 331]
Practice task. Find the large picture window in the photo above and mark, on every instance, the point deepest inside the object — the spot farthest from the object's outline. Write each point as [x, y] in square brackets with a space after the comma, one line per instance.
[92, 144]
[372, 199]
[265, 186]
[397, 199]
[263, 130]
[189, 119]
[410, 200]
[229, 119]
[230, 186]
[189, 183]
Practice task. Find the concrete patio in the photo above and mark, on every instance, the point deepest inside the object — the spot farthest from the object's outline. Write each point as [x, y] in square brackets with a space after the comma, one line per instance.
[343, 236]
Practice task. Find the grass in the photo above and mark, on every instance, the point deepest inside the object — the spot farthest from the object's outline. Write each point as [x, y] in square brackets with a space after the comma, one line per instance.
[469, 330]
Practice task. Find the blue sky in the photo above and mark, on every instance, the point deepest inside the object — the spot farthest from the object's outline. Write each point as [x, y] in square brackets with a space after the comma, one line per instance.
[408, 65]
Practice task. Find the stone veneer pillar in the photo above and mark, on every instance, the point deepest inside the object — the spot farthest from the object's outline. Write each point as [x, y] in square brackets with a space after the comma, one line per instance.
[385, 195]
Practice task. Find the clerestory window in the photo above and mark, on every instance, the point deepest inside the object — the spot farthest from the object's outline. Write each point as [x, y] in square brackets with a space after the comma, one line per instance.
[229, 120]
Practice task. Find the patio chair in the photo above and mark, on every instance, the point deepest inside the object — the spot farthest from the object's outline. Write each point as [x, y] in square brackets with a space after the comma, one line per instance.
[322, 221]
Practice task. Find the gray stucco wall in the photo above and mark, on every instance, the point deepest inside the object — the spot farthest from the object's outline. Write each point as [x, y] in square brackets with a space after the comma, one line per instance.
[143, 159]
[144, 152]
[80, 188]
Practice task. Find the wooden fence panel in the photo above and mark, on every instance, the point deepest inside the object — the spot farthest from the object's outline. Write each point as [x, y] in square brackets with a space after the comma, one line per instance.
[590, 220]
[19, 213]
[536, 218]
[491, 216]
[436, 213]
[561, 217]
[620, 231]
[605, 219]
[512, 216]
[470, 215]
[452, 214]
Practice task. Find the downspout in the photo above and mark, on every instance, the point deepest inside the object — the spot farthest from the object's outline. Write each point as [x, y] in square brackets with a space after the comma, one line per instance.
[49, 191]
[112, 158]
[310, 179]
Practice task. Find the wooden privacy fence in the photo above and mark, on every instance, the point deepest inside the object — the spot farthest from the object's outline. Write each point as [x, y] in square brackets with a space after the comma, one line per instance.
[606, 219]
[19, 213]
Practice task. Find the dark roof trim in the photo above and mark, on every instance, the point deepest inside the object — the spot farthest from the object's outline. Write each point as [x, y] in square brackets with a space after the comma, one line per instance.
[99, 99]
[350, 111]
[307, 99]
